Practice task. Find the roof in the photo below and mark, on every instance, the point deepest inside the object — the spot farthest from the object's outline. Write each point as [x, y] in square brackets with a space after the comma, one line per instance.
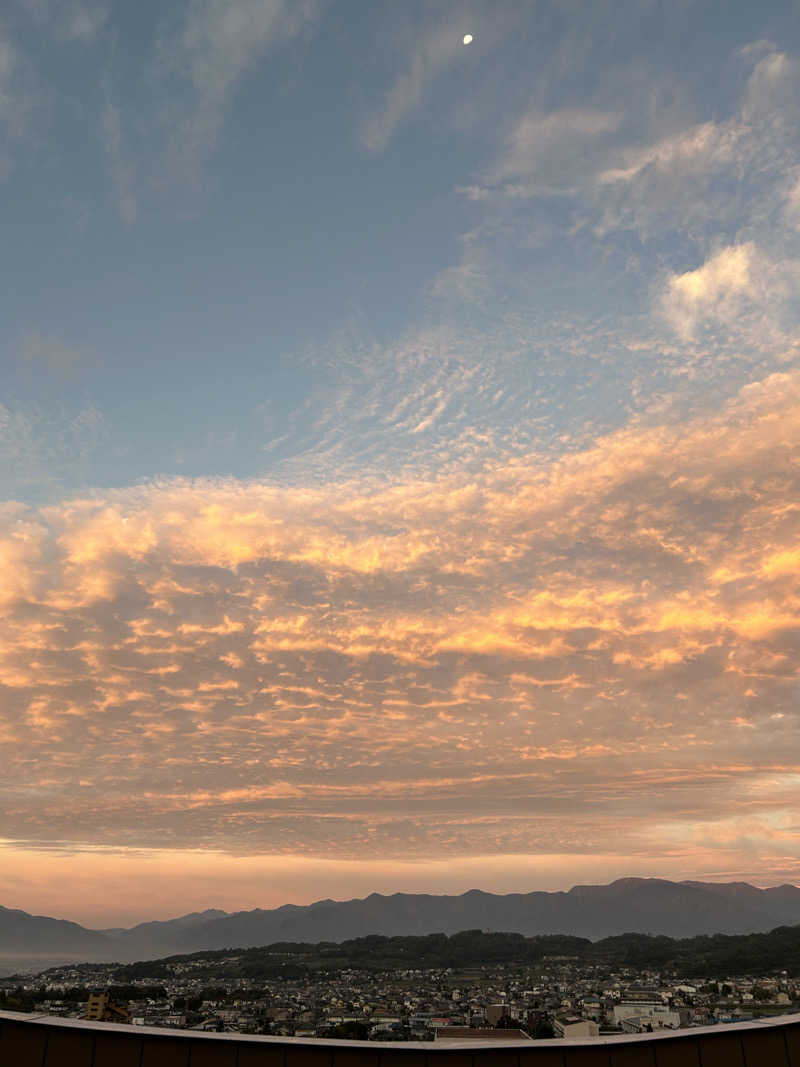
[466, 1033]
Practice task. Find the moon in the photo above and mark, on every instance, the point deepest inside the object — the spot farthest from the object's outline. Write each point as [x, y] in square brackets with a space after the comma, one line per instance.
[467, 38]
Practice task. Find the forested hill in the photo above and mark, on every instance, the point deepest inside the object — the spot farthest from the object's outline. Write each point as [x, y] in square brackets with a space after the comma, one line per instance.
[715, 956]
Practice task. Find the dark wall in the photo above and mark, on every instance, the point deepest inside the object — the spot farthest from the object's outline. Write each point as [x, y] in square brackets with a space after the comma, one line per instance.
[38, 1042]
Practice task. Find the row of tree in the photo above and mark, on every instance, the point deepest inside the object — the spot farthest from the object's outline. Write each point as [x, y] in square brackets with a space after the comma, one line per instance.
[715, 956]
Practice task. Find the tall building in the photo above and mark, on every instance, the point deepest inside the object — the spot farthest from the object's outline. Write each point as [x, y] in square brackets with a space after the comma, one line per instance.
[101, 1008]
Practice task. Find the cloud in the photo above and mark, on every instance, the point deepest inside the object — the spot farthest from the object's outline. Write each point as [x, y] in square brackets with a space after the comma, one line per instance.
[432, 51]
[37, 446]
[563, 646]
[715, 290]
[792, 206]
[420, 59]
[546, 141]
[708, 146]
[739, 291]
[601, 171]
[681, 221]
[81, 23]
[68, 21]
[771, 88]
[20, 97]
[201, 60]
[8, 65]
[719, 171]
[159, 128]
[20, 553]
[120, 166]
[700, 148]
[25, 96]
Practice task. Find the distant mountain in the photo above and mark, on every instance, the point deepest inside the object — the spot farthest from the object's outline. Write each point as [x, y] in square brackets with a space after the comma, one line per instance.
[782, 901]
[629, 905]
[36, 940]
[31, 940]
[157, 930]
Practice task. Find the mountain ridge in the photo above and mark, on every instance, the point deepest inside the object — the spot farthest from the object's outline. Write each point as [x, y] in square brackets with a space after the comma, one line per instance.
[627, 905]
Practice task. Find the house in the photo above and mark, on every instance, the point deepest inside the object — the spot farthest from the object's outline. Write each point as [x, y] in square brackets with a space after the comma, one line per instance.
[574, 1026]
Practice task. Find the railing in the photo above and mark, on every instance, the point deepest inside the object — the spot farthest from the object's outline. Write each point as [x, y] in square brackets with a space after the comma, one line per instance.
[48, 1041]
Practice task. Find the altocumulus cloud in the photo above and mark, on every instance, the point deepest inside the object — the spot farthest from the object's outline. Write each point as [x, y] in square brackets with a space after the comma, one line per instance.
[538, 657]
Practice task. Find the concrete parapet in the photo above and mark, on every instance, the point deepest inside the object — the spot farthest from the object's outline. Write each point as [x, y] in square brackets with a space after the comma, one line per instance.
[46, 1041]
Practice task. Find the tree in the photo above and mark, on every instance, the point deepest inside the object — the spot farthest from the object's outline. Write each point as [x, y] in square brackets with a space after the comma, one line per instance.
[352, 1030]
[543, 1029]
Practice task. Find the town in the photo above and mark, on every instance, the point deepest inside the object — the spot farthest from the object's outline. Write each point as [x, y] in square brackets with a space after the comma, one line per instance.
[558, 996]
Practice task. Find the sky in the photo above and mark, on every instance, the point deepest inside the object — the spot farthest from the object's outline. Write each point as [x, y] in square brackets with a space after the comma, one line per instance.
[399, 449]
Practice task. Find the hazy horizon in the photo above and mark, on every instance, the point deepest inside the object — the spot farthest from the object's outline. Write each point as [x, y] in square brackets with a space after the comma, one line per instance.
[399, 448]
[91, 919]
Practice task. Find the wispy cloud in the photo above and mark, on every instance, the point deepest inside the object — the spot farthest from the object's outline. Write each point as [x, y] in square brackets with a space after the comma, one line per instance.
[202, 57]
[549, 141]
[68, 21]
[160, 130]
[711, 172]
[792, 205]
[26, 97]
[431, 52]
[701, 148]
[693, 174]
[120, 166]
[20, 97]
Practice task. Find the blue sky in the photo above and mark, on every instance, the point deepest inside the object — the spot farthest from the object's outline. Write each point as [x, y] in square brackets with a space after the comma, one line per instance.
[219, 213]
[357, 378]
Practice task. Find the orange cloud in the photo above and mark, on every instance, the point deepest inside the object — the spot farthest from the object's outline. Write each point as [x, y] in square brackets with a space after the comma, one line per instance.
[561, 646]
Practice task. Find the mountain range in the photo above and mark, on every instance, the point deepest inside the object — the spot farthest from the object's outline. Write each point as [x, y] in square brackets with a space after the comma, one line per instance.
[628, 905]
